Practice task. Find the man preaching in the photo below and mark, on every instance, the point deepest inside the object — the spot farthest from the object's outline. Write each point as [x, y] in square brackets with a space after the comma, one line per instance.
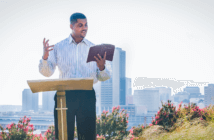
[70, 55]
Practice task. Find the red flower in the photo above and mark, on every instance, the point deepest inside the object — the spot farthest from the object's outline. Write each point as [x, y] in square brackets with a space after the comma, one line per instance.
[118, 107]
[30, 125]
[157, 117]
[49, 131]
[131, 130]
[113, 109]
[9, 126]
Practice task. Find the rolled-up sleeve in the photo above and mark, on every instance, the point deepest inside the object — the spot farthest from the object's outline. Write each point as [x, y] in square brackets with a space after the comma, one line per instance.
[47, 67]
[106, 73]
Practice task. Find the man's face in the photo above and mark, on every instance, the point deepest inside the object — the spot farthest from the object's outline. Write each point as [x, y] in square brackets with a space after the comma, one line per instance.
[80, 28]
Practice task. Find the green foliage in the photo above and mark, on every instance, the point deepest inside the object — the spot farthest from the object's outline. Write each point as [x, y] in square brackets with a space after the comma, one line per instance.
[113, 125]
[21, 131]
[136, 131]
[166, 116]
[24, 131]
[50, 133]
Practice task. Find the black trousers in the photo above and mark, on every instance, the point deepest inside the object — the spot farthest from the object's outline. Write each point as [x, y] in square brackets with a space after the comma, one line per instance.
[82, 104]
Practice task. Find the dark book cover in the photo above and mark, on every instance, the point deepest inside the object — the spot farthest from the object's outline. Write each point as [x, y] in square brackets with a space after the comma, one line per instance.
[101, 49]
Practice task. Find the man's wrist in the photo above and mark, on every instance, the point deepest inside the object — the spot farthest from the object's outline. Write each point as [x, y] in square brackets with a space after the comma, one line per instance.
[102, 68]
[44, 58]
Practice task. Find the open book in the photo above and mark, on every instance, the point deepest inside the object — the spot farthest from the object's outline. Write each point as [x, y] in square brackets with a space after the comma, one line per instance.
[101, 49]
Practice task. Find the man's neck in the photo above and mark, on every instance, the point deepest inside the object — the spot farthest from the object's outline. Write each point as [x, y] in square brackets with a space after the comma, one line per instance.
[76, 39]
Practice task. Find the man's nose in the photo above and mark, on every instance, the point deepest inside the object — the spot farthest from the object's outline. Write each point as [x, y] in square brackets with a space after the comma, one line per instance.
[85, 28]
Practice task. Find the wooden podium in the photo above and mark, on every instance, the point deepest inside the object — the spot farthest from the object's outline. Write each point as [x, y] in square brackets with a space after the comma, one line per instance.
[60, 85]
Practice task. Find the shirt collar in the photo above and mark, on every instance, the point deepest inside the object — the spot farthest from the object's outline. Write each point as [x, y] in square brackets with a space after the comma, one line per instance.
[71, 40]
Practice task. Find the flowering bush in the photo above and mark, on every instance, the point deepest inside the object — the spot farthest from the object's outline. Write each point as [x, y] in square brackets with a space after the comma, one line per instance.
[50, 133]
[100, 137]
[166, 116]
[24, 130]
[193, 111]
[113, 125]
[208, 113]
[135, 132]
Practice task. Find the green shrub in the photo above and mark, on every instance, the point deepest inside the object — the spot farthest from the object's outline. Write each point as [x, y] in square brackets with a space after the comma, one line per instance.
[24, 130]
[166, 116]
[112, 125]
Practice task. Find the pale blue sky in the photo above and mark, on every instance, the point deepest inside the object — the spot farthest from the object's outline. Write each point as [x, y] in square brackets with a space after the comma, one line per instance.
[162, 38]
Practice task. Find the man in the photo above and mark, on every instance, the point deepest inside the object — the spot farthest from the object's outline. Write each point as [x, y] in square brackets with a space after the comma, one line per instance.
[70, 56]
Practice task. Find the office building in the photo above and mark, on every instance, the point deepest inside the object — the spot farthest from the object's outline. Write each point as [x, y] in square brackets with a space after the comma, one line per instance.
[113, 91]
[181, 96]
[209, 95]
[30, 101]
[194, 92]
[147, 97]
[48, 100]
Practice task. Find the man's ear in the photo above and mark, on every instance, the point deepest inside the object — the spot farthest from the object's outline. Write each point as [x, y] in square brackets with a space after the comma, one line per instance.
[71, 26]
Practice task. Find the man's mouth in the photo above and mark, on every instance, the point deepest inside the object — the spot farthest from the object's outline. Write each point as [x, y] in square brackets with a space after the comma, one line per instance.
[83, 31]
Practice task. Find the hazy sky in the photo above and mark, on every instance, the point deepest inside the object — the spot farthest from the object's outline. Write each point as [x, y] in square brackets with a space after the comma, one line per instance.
[162, 38]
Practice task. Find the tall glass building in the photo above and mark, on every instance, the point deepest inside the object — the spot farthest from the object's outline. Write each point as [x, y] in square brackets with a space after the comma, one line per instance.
[48, 100]
[113, 91]
[194, 92]
[209, 95]
[147, 97]
[30, 101]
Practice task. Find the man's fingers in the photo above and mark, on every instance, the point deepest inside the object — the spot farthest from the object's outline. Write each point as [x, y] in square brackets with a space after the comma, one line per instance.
[99, 57]
[47, 45]
[96, 58]
[43, 41]
[105, 56]
[48, 48]
[46, 42]
[52, 46]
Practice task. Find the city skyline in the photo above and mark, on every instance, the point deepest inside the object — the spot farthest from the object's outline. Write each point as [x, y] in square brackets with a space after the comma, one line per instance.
[162, 39]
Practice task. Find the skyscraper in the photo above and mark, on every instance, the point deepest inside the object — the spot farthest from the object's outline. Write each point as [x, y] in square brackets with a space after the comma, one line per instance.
[192, 89]
[148, 98]
[113, 91]
[30, 101]
[129, 96]
[48, 100]
[122, 71]
[194, 92]
[128, 86]
[209, 95]
[181, 96]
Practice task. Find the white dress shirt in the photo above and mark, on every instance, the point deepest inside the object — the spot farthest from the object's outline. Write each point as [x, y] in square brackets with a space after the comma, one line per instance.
[71, 58]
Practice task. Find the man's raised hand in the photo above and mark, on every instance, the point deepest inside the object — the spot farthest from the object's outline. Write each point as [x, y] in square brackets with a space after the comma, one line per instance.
[46, 49]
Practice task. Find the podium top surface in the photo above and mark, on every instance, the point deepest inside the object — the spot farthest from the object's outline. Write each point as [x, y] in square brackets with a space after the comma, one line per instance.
[60, 84]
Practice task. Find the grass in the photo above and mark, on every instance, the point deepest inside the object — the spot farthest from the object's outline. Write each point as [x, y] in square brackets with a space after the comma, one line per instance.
[183, 129]
[195, 129]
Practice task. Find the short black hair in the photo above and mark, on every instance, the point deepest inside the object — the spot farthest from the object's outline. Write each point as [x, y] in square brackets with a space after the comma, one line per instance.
[75, 16]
